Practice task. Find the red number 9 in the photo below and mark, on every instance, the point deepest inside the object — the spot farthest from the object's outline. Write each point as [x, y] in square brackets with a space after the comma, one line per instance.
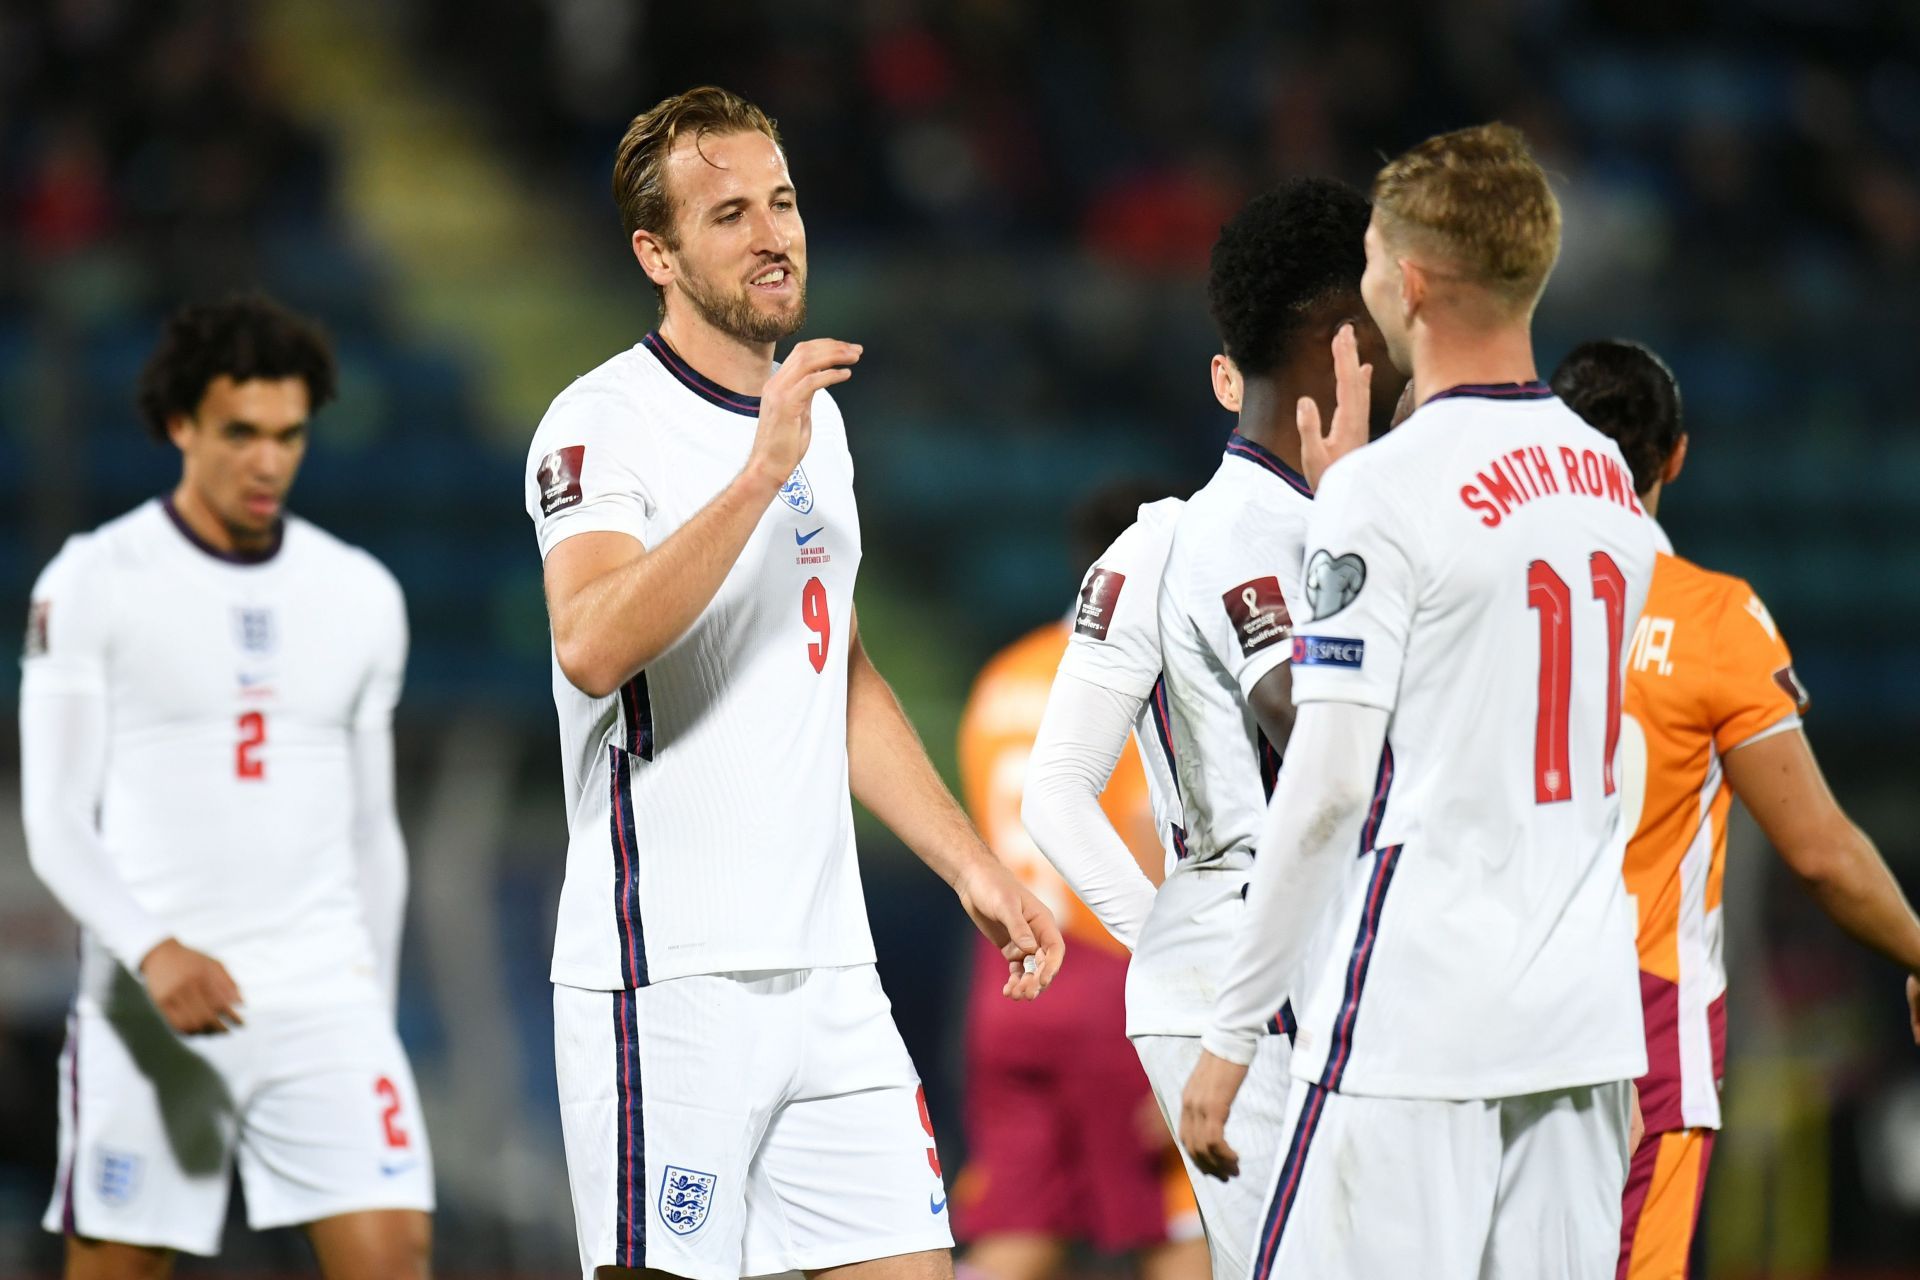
[813, 612]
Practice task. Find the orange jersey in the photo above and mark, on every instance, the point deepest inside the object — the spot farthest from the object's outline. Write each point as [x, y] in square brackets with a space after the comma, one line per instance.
[996, 738]
[1707, 672]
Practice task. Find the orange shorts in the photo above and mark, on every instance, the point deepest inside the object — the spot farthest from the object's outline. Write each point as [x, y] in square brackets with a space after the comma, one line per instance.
[1665, 1185]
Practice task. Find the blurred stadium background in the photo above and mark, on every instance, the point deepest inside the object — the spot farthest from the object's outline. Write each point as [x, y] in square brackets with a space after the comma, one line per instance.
[1011, 205]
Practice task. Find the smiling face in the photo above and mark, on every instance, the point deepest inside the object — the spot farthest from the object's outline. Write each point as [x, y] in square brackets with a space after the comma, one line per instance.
[738, 253]
[241, 448]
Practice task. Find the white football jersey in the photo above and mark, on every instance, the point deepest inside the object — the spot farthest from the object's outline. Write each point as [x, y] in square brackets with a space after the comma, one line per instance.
[233, 688]
[1225, 623]
[710, 825]
[1476, 574]
[1116, 645]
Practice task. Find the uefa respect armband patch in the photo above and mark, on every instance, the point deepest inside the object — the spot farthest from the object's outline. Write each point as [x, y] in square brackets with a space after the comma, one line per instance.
[1329, 651]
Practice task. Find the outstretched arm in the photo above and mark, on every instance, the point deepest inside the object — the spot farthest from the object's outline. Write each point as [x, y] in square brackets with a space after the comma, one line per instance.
[1082, 734]
[889, 772]
[1313, 825]
[1779, 781]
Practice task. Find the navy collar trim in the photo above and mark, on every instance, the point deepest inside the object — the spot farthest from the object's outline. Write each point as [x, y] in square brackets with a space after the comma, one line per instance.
[704, 387]
[1497, 391]
[229, 557]
[1238, 446]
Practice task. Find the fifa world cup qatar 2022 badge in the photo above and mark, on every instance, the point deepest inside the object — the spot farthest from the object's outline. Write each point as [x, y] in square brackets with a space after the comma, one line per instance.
[685, 1197]
[1259, 614]
[1098, 596]
[559, 478]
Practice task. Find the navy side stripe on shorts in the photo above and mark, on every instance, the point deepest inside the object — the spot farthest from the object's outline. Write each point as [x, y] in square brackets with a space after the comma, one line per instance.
[1340, 1051]
[68, 1223]
[630, 1157]
[1287, 1190]
[626, 869]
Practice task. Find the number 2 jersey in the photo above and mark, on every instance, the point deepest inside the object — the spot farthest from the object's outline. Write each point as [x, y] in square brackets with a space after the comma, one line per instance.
[710, 828]
[1476, 574]
[232, 692]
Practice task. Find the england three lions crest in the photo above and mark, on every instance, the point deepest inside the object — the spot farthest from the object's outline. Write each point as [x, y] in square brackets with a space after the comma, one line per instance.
[797, 493]
[685, 1197]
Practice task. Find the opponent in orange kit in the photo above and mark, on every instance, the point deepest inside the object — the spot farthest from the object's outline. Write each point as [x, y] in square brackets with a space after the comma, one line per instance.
[1712, 711]
[1064, 1141]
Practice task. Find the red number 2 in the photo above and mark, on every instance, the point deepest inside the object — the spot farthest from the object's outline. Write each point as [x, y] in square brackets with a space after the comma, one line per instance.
[1548, 592]
[253, 734]
[396, 1136]
[813, 612]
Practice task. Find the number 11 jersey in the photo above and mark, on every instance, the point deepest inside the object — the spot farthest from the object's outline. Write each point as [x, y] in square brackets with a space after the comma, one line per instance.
[710, 828]
[1476, 574]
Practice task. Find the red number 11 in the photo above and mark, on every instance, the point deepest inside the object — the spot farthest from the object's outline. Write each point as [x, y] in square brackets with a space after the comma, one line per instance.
[1549, 593]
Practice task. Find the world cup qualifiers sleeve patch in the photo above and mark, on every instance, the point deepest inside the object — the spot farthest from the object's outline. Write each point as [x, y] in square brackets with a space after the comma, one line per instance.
[559, 477]
[1259, 614]
[1329, 651]
[1790, 682]
[1333, 582]
[1098, 595]
[36, 642]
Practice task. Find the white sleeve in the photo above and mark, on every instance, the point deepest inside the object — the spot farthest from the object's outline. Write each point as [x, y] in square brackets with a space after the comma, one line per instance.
[1236, 597]
[1312, 827]
[1116, 626]
[1081, 736]
[1360, 592]
[584, 470]
[380, 850]
[63, 756]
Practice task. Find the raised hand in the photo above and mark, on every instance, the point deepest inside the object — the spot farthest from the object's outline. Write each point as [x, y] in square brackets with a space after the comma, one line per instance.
[786, 404]
[1353, 400]
[193, 991]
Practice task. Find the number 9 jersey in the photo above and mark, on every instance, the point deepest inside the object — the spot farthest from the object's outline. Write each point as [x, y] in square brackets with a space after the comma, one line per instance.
[1476, 574]
[710, 825]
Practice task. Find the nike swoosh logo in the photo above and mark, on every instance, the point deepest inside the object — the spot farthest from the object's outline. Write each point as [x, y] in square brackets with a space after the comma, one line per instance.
[800, 541]
[934, 1206]
[395, 1170]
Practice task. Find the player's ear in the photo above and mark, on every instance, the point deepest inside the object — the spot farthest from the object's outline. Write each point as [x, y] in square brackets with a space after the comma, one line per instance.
[651, 252]
[1227, 383]
[1414, 286]
[179, 428]
[1675, 461]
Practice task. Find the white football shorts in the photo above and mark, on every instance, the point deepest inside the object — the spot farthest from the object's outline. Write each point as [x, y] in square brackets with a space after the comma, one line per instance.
[318, 1106]
[1229, 1211]
[1508, 1189]
[740, 1124]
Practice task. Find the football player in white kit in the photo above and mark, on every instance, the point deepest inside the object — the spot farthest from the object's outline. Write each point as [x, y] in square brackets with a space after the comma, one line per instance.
[1469, 1007]
[734, 1095]
[207, 782]
[1185, 628]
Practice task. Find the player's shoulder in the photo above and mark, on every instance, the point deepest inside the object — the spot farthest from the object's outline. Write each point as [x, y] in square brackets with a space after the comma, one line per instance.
[611, 395]
[1145, 541]
[344, 564]
[126, 542]
[1681, 585]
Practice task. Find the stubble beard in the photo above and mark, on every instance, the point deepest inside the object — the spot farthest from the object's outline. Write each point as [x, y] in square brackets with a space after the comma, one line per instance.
[735, 315]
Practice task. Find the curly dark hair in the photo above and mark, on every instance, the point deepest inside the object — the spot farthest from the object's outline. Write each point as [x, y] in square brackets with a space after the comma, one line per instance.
[244, 336]
[1625, 391]
[1289, 250]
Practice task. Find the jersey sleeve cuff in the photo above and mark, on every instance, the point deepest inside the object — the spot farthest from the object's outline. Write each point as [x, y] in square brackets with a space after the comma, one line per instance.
[1237, 1047]
[132, 945]
[597, 522]
[1261, 665]
[1307, 690]
[1784, 724]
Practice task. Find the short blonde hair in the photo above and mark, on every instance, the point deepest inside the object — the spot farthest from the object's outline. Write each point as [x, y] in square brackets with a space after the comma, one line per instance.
[1477, 200]
[639, 165]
